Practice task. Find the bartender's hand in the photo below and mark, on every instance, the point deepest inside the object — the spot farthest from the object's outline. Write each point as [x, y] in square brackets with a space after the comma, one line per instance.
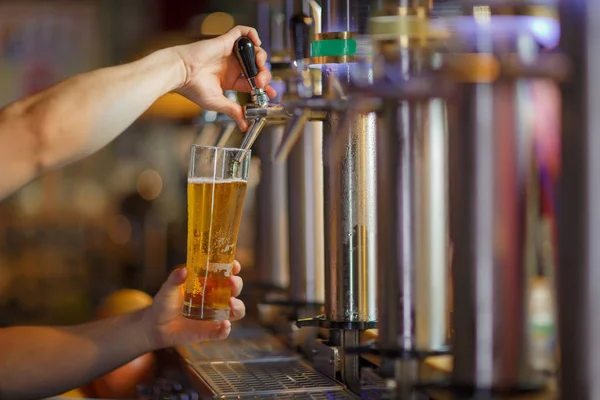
[166, 326]
[211, 67]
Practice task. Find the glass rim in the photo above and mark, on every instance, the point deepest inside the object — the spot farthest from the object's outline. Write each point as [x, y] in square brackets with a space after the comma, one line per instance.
[227, 149]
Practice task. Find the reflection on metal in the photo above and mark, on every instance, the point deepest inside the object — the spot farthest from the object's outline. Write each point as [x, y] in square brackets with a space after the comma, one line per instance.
[579, 234]
[493, 147]
[264, 378]
[294, 130]
[412, 191]
[240, 350]
[272, 254]
[325, 358]
[413, 226]
[305, 197]
[350, 207]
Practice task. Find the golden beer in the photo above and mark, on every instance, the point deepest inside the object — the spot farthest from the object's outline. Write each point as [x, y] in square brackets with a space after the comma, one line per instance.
[214, 216]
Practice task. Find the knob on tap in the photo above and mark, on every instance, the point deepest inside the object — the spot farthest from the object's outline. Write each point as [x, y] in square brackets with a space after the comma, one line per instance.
[246, 56]
[300, 25]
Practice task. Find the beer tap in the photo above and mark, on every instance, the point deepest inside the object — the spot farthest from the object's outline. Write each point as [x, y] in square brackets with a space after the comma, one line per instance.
[348, 197]
[260, 111]
[246, 56]
[299, 86]
[216, 128]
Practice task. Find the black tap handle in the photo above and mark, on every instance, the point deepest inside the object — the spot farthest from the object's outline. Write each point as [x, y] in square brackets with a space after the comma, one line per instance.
[300, 25]
[246, 56]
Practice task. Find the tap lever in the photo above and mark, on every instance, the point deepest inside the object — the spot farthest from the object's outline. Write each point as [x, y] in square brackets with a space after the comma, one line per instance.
[300, 25]
[246, 56]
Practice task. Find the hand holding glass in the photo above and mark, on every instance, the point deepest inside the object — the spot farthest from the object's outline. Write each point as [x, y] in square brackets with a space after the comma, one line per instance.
[217, 181]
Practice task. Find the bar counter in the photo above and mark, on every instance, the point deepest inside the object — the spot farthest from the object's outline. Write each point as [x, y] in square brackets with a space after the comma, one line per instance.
[254, 363]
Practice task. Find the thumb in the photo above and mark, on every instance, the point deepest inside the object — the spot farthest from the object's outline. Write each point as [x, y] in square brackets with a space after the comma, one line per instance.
[233, 110]
[172, 288]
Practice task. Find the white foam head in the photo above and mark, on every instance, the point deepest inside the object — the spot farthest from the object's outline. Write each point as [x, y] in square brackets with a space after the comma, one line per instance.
[199, 180]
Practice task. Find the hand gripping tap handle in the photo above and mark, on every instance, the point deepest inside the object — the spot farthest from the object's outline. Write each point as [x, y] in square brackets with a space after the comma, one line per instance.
[246, 56]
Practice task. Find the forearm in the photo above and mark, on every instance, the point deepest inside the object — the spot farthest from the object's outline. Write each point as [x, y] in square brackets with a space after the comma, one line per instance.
[58, 359]
[80, 115]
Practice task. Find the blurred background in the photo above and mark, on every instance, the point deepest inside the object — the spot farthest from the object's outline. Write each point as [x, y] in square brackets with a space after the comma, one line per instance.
[116, 219]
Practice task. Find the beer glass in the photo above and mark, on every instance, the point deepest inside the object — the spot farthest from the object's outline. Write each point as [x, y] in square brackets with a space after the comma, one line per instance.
[216, 189]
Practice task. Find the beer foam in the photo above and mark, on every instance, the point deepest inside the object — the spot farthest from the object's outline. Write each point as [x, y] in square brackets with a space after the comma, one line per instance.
[221, 267]
[200, 180]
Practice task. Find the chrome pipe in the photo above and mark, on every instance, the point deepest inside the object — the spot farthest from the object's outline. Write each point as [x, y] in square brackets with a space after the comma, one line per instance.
[306, 218]
[493, 168]
[413, 226]
[579, 221]
[350, 207]
[272, 244]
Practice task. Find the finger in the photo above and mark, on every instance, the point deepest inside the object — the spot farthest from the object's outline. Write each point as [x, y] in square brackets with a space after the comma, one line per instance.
[237, 267]
[237, 284]
[270, 91]
[264, 75]
[220, 331]
[237, 309]
[263, 78]
[247, 31]
[172, 287]
[233, 110]
[261, 58]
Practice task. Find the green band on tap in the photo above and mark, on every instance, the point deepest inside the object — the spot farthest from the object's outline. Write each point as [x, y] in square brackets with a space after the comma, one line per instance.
[334, 48]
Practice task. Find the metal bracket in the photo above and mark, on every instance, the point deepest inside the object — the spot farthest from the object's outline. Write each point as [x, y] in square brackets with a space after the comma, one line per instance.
[321, 322]
[395, 353]
[326, 359]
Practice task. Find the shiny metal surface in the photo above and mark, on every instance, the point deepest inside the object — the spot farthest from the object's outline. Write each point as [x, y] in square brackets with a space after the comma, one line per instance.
[255, 349]
[273, 112]
[293, 132]
[305, 199]
[255, 127]
[325, 395]
[431, 228]
[350, 209]
[492, 144]
[412, 191]
[413, 226]
[579, 223]
[270, 378]
[259, 97]
[345, 15]
[272, 244]
[325, 358]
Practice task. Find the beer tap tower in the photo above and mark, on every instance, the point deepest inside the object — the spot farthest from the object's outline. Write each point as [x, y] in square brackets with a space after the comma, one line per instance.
[454, 156]
[412, 189]
[349, 179]
[304, 181]
[272, 229]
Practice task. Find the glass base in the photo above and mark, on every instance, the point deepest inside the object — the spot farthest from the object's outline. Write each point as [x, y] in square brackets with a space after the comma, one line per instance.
[205, 313]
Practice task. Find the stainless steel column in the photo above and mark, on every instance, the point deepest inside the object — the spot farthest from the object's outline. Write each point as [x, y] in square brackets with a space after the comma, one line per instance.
[350, 213]
[271, 247]
[305, 179]
[305, 198]
[493, 168]
[578, 272]
[412, 183]
[272, 257]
